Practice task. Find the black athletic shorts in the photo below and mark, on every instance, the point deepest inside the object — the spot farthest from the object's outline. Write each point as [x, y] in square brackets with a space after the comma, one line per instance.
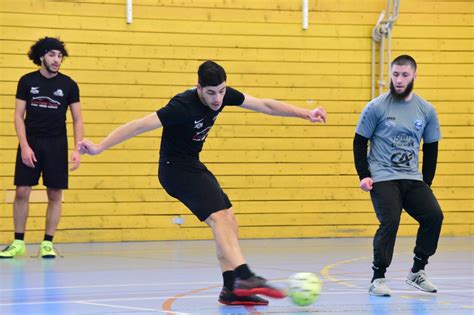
[194, 185]
[52, 163]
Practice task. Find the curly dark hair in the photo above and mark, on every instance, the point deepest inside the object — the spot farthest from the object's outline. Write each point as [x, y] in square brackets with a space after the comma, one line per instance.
[43, 45]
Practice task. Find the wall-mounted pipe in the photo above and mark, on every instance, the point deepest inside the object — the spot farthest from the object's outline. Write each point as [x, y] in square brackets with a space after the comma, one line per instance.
[305, 14]
[129, 12]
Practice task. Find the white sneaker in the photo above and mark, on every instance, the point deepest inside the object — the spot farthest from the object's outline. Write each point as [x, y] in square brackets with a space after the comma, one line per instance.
[379, 288]
[420, 281]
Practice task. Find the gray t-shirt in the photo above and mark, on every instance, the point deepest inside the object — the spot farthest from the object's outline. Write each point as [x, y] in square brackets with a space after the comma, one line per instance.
[395, 129]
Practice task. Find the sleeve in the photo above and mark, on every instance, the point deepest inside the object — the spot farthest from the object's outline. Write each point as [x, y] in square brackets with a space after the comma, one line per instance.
[22, 90]
[173, 113]
[233, 97]
[430, 158]
[431, 133]
[360, 156]
[367, 121]
[73, 94]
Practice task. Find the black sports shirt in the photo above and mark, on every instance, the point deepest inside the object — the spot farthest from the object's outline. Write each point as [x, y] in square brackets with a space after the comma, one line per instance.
[187, 122]
[47, 101]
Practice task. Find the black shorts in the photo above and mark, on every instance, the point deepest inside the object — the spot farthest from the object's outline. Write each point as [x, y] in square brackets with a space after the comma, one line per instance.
[194, 185]
[52, 163]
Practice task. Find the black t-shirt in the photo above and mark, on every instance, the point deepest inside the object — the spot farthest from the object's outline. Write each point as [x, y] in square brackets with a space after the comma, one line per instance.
[47, 101]
[187, 122]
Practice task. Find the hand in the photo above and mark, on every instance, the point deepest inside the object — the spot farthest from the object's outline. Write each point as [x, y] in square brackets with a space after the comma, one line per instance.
[88, 147]
[28, 156]
[318, 115]
[75, 160]
[366, 184]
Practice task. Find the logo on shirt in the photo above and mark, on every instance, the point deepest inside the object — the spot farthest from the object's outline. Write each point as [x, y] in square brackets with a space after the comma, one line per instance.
[418, 124]
[44, 102]
[390, 121]
[403, 141]
[201, 135]
[198, 124]
[58, 92]
[401, 159]
[34, 90]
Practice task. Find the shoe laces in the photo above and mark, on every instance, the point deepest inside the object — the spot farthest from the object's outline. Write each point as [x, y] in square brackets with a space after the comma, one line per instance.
[380, 281]
[9, 248]
[421, 277]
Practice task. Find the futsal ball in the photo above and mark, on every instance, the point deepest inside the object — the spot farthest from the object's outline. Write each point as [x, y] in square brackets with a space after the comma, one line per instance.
[304, 288]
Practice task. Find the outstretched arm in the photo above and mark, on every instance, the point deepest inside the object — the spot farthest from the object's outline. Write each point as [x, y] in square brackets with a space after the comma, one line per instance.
[277, 108]
[121, 134]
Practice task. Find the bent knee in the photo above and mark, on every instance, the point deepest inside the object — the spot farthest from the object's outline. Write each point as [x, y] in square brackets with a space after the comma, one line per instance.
[391, 223]
[223, 216]
[437, 216]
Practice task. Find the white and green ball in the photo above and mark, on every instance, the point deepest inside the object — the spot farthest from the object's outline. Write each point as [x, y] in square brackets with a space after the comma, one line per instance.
[304, 288]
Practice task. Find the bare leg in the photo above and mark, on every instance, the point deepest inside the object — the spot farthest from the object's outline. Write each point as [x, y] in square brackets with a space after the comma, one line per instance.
[20, 208]
[53, 213]
[225, 230]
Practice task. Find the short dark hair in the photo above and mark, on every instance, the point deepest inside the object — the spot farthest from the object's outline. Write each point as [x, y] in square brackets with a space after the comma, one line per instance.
[43, 45]
[211, 74]
[404, 60]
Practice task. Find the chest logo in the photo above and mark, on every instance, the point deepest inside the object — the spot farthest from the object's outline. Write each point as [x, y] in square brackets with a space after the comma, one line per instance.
[34, 90]
[58, 92]
[201, 135]
[45, 102]
[198, 124]
[418, 124]
[390, 121]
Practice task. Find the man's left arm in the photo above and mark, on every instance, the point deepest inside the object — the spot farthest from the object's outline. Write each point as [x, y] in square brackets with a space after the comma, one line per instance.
[430, 159]
[278, 108]
[431, 137]
[78, 127]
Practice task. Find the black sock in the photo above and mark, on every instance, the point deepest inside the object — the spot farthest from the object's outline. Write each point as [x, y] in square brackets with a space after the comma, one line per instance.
[243, 272]
[229, 279]
[20, 236]
[419, 263]
[378, 273]
[48, 237]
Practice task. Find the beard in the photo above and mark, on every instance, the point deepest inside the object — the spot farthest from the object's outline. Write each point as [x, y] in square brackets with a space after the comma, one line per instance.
[48, 68]
[404, 94]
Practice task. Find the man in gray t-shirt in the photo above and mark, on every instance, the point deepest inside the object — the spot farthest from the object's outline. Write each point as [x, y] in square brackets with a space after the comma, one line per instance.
[394, 124]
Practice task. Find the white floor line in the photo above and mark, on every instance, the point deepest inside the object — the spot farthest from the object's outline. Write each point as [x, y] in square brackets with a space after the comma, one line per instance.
[114, 285]
[117, 306]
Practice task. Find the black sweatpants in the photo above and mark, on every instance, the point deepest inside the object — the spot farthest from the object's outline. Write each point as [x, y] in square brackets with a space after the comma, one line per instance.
[416, 197]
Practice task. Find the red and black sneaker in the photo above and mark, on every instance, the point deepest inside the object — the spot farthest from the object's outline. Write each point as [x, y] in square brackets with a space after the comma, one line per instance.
[227, 297]
[256, 285]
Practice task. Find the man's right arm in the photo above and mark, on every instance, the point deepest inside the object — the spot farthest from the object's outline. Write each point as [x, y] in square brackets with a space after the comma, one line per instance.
[27, 155]
[360, 144]
[121, 134]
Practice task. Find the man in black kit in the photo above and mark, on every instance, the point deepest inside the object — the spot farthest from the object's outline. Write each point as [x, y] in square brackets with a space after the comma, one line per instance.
[186, 121]
[42, 100]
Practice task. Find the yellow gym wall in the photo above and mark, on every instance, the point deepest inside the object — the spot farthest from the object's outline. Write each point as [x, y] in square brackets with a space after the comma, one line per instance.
[286, 177]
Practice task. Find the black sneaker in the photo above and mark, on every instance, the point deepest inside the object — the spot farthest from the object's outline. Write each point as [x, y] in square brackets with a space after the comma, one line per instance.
[228, 298]
[256, 285]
